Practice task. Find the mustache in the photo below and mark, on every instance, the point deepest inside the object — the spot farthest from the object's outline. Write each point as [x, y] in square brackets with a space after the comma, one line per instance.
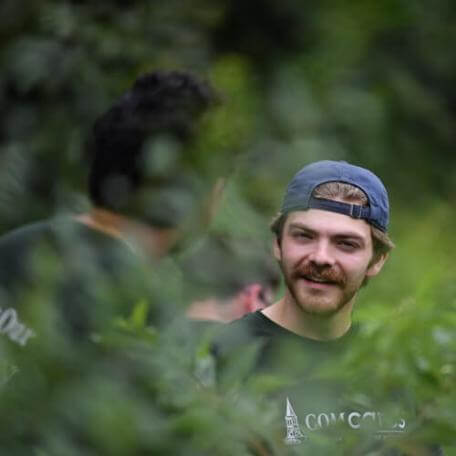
[313, 272]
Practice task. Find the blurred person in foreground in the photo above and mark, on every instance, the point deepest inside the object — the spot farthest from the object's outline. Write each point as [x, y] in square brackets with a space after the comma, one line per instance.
[228, 278]
[330, 239]
[147, 193]
[67, 282]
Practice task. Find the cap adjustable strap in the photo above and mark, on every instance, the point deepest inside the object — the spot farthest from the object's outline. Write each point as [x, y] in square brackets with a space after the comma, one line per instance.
[352, 210]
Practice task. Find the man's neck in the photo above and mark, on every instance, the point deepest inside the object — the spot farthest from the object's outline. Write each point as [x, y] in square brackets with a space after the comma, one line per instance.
[149, 240]
[286, 313]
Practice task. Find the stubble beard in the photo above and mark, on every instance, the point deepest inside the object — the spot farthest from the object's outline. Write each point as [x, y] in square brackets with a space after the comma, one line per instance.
[324, 303]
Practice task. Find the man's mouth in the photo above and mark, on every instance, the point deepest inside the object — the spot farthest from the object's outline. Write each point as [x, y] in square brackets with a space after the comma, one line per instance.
[319, 280]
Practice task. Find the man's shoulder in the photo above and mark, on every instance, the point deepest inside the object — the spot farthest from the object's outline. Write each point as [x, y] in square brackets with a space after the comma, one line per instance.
[51, 230]
[26, 233]
[253, 325]
[57, 244]
[17, 244]
[60, 233]
[248, 329]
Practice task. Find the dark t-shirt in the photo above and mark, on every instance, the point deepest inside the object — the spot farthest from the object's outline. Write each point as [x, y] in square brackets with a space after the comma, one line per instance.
[320, 407]
[62, 284]
[80, 357]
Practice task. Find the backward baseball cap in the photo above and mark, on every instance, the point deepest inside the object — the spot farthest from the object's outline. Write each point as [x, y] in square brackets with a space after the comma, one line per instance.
[299, 195]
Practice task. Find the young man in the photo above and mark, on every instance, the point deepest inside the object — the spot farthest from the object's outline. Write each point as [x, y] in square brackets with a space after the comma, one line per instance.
[82, 370]
[330, 238]
[66, 279]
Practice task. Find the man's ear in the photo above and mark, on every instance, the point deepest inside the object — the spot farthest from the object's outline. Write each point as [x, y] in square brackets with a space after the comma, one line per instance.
[276, 249]
[252, 297]
[376, 265]
[249, 299]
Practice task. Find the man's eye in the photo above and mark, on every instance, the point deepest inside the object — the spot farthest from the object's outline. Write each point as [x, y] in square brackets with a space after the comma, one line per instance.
[348, 245]
[301, 235]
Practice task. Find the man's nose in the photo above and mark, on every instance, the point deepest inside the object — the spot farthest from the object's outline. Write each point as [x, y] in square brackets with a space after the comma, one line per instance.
[321, 254]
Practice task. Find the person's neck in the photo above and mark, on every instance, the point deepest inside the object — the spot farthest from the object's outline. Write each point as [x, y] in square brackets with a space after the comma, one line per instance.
[152, 241]
[289, 315]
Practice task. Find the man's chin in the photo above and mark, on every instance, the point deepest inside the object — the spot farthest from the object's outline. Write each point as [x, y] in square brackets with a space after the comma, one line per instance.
[323, 305]
[322, 310]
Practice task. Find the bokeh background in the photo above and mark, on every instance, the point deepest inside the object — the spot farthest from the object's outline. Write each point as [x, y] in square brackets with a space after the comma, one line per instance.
[370, 82]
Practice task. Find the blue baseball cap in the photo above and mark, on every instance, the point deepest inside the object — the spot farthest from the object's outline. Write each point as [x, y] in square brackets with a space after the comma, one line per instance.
[299, 192]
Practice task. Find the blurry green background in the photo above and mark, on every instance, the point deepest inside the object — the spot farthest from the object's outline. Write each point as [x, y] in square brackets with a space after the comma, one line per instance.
[371, 82]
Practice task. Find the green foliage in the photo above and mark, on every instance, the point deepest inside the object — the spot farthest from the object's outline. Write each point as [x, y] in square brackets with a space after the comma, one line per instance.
[369, 82]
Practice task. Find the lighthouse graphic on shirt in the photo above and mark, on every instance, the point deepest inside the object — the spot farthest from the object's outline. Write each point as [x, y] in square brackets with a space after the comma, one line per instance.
[294, 433]
[354, 420]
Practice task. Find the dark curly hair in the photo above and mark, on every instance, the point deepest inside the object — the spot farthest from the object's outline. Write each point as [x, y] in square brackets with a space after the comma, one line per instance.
[158, 104]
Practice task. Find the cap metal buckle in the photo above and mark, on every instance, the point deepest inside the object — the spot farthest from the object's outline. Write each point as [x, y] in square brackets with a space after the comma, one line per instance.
[356, 211]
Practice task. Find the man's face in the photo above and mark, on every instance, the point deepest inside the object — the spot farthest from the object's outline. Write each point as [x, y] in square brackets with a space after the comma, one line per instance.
[324, 257]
